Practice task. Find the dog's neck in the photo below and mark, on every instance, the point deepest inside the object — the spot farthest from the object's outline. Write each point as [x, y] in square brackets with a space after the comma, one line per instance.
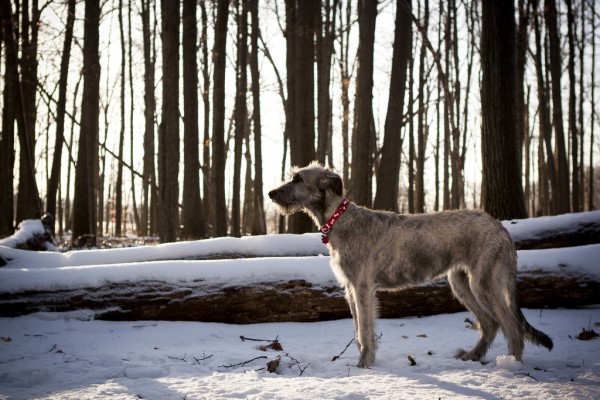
[320, 217]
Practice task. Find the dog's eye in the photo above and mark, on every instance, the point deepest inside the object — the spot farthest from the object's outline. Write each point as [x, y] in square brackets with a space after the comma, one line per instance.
[297, 178]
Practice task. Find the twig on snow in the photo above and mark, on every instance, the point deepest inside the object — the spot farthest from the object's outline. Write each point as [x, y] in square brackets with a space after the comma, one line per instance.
[528, 375]
[177, 358]
[204, 357]
[244, 338]
[343, 351]
[348, 345]
[242, 363]
[303, 369]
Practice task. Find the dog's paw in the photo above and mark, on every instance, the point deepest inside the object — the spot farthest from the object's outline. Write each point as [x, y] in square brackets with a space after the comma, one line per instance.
[366, 361]
[464, 355]
[363, 365]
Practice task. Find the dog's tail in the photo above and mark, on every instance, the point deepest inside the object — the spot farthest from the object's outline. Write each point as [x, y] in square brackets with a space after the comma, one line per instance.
[534, 336]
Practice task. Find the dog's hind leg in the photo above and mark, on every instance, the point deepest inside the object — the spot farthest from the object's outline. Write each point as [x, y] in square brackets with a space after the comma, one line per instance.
[488, 326]
[506, 309]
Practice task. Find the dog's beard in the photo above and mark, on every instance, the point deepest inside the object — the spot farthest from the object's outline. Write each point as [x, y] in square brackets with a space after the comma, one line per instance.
[287, 209]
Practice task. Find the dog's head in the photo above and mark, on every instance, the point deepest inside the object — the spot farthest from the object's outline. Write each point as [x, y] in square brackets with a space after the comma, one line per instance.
[313, 189]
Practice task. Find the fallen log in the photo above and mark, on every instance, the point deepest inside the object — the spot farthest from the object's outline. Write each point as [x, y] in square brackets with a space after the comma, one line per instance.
[294, 300]
[568, 230]
[115, 284]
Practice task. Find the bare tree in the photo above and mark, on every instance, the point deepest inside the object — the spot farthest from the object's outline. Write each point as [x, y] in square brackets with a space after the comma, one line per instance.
[258, 227]
[386, 197]
[28, 200]
[421, 128]
[9, 111]
[301, 17]
[193, 213]
[573, 132]
[361, 155]
[84, 201]
[206, 104]
[591, 205]
[119, 183]
[324, 50]
[168, 134]
[241, 111]
[218, 204]
[502, 191]
[150, 195]
[545, 132]
[562, 171]
[134, 207]
[344, 66]
[61, 111]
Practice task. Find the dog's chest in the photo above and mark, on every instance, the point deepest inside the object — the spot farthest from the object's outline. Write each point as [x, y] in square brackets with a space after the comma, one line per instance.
[336, 267]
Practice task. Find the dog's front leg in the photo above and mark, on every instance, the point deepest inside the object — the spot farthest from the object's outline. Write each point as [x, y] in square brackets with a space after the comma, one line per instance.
[364, 320]
[349, 294]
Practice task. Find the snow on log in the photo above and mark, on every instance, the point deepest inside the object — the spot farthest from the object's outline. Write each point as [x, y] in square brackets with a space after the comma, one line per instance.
[565, 230]
[256, 290]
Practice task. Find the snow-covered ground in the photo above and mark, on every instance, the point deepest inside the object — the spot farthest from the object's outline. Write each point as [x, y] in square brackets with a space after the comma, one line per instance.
[65, 356]
[72, 356]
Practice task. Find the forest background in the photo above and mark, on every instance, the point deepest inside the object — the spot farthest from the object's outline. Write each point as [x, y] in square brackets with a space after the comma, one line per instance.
[172, 118]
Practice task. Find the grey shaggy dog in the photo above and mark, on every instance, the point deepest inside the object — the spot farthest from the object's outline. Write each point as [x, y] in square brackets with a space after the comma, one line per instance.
[378, 250]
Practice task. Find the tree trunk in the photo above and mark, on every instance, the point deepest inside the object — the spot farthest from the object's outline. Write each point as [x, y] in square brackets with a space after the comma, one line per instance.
[286, 301]
[168, 134]
[345, 27]
[562, 192]
[457, 187]
[361, 158]
[119, 184]
[68, 204]
[388, 174]
[259, 226]
[134, 207]
[522, 44]
[325, 35]
[447, 111]
[84, 201]
[573, 131]
[302, 133]
[149, 174]
[240, 113]
[421, 128]
[502, 190]
[60, 111]
[591, 205]
[28, 199]
[206, 103]
[411, 139]
[544, 125]
[218, 204]
[9, 110]
[193, 213]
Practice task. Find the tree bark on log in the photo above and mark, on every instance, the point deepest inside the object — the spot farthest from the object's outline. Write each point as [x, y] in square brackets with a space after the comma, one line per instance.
[295, 300]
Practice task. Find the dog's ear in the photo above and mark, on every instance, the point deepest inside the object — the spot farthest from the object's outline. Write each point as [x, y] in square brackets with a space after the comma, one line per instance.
[334, 182]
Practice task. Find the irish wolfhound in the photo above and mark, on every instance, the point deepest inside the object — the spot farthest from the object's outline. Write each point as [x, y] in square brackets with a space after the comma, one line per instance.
[377, 250]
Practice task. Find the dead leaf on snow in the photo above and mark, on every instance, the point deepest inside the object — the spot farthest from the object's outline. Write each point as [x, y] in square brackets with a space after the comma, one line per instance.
[587, 334]
[273, 365]
[272, 346]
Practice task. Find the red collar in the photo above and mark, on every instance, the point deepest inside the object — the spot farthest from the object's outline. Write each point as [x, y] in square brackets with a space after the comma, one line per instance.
[325, 229]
